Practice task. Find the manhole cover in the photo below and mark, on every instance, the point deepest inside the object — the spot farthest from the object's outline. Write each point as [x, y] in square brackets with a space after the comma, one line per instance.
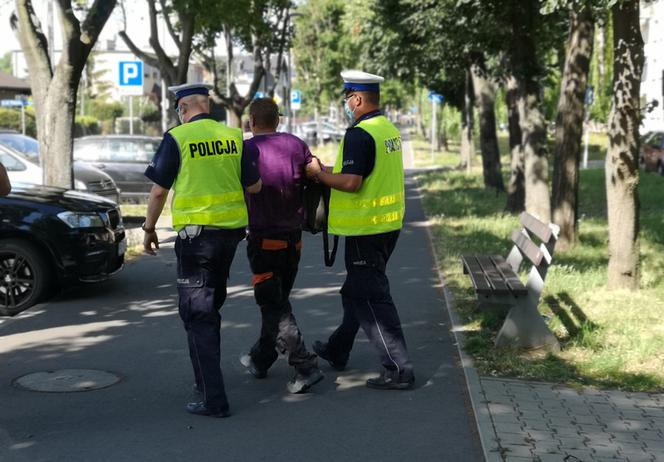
[67, 380]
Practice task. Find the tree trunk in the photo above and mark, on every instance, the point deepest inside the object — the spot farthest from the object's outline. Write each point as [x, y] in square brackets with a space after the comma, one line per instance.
[531, 119]
[467, 123]
[485, 99]
[516, 190]
[601, 51]
[622, 168]
[420, 122]
[172, 73]
[569, 125]
[55, 90]
[235, 119]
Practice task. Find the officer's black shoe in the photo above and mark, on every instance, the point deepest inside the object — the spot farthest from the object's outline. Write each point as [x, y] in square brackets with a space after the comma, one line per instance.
[391, 381]
[320, 349]
[248, 362]
[302, 382]
[200, 409]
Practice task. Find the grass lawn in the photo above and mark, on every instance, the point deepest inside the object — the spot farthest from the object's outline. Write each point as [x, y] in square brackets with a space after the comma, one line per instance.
[139, 210]
[327, 152]
[424, 157]
[610, 339]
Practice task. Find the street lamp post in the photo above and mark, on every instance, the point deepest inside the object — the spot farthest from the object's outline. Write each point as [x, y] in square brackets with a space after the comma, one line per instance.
[287, 96]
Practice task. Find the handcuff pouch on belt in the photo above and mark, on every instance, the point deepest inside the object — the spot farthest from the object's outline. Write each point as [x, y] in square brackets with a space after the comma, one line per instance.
[190, 231]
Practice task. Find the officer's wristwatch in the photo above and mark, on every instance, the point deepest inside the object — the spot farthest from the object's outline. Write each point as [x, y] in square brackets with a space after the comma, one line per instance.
[147, 230]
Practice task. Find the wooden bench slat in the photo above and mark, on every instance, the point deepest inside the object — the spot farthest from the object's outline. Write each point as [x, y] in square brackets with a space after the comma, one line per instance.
[495, 277]
[492, 275]
[511, 278]
[528, 248]
[474, 270]
[539, 229]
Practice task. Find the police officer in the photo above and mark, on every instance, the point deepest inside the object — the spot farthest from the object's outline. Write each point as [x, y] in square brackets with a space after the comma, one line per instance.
[367, 207]
[202, 161]
[274, 243]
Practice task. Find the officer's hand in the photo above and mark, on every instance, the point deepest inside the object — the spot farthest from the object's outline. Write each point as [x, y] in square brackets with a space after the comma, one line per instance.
[149, 239]
[313, 168]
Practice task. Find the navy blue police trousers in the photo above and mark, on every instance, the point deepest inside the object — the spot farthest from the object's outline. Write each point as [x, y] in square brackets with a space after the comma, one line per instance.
[274, 258]
[367, 303]
[203, 268]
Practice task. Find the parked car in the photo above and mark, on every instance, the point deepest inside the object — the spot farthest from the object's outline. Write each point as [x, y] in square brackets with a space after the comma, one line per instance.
[307, 131]
[50, 237]
[123, 157]
[20, 156]
[652, 152]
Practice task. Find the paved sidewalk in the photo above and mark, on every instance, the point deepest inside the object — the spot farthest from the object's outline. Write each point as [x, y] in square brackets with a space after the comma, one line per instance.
[548, 422]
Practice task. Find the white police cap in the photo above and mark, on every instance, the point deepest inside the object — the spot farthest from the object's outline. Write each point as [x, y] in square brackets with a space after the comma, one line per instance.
[187, 89]
[355, 80]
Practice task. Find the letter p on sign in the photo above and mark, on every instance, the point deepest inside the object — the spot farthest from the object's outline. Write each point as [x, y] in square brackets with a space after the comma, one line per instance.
[130, 77]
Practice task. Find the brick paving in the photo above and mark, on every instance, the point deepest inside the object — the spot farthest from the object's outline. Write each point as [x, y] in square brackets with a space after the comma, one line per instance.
[549, 422]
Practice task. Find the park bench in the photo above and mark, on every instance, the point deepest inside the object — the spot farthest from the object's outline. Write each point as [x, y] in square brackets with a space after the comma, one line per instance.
[497, 284]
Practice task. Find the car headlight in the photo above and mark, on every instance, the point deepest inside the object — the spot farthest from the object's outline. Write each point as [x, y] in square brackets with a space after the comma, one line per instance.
[81, 220]
[80, 185]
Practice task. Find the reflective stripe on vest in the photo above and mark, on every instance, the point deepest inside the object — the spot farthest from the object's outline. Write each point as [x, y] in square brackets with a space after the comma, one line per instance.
[379, 205]
[208, 189]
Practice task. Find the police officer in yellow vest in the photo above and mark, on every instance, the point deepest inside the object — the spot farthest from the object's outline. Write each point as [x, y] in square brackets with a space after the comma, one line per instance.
[202, 161]
[367, 207]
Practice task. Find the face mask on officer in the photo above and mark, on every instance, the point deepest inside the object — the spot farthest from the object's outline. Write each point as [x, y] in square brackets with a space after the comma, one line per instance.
[350, 113]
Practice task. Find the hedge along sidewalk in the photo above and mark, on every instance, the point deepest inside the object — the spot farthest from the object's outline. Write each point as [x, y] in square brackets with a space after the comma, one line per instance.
[610, 339]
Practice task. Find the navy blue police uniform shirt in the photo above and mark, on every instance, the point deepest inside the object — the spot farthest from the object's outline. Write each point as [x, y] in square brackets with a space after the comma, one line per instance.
[359, 156]
[165, 165]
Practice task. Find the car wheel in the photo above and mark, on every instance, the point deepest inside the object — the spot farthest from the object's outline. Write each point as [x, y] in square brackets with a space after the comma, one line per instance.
[24, 276]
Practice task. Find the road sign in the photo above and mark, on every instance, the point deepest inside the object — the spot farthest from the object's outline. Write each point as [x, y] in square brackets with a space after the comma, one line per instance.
[130, 77]
[436, 97]
[13, 103]
[296, 99]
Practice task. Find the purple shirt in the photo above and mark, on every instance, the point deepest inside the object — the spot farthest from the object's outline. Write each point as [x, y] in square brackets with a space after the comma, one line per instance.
[281, 158]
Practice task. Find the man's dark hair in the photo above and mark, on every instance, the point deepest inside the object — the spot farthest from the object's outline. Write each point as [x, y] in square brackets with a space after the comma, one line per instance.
[265, 111]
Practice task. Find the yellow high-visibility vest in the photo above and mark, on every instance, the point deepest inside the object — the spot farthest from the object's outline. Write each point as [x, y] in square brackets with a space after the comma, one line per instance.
[379, 205]
[208, 189]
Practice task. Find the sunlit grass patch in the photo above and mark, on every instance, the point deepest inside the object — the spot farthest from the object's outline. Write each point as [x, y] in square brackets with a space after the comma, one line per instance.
[425, 157]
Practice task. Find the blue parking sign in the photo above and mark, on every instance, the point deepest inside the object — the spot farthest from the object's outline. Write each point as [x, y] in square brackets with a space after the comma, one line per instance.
[436, 97]
[296, 99]
[130, 73]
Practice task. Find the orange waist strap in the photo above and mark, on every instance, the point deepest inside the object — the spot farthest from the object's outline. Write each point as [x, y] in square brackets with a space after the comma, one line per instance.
[277, 244]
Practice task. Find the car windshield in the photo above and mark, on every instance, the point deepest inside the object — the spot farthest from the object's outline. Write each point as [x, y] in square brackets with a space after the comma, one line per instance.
[115, 150]
[27, 146]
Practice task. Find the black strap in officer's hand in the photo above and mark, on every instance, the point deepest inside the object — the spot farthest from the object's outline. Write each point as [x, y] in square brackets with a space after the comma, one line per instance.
[329, 257]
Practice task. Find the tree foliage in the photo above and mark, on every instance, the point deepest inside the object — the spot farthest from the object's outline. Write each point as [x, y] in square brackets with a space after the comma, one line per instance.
[319, 46]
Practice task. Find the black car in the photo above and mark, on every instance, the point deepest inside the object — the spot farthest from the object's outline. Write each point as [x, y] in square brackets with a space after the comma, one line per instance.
[123, 157]
[20, 156]
[50, 237]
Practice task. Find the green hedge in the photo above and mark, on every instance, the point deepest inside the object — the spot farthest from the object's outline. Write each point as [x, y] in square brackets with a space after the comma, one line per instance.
[11, 118]
[86, 125]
